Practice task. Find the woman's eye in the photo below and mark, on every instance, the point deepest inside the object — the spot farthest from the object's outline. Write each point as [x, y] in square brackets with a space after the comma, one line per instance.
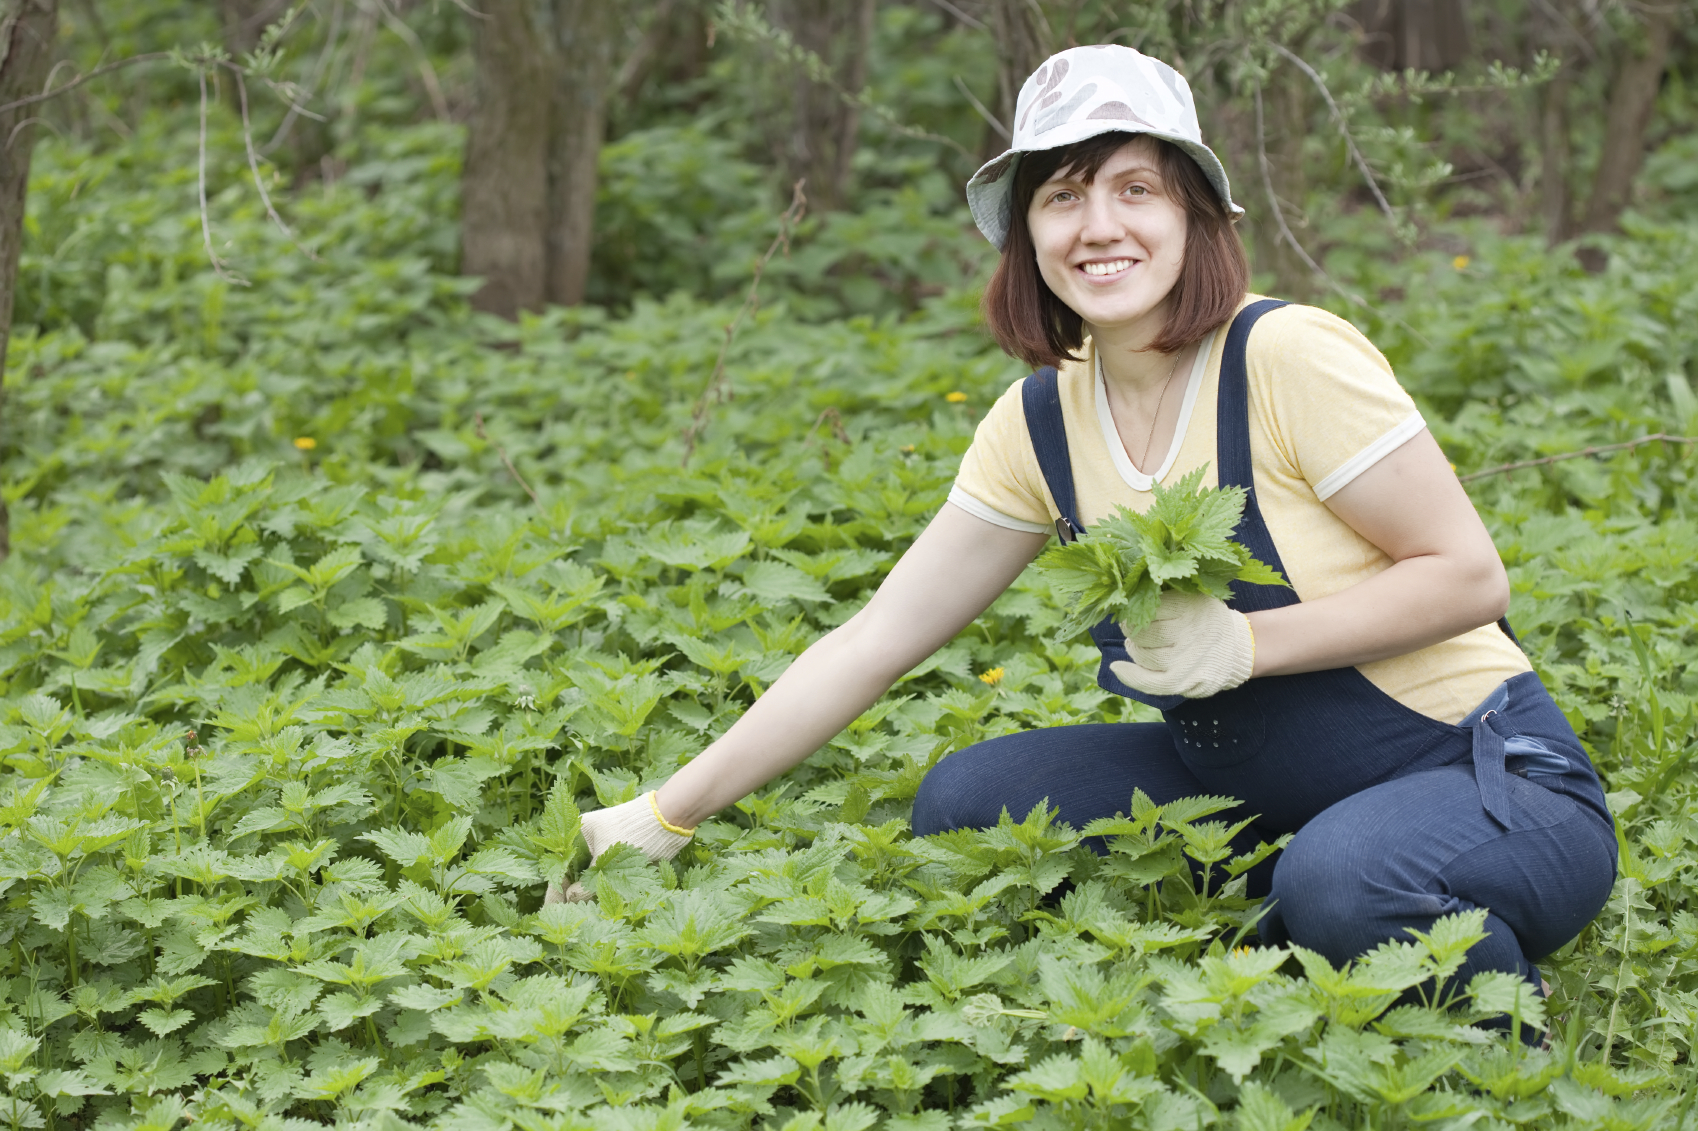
[1137, 190]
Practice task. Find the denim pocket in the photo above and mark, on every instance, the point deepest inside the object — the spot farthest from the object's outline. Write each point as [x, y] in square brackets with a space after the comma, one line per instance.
[1223, 730]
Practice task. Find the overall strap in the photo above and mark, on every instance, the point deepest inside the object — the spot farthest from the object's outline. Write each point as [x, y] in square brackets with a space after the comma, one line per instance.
[1233, 463]
[1232, 449]
[1040, 396]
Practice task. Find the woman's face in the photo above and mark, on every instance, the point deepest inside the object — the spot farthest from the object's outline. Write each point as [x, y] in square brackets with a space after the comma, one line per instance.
[1110, 248]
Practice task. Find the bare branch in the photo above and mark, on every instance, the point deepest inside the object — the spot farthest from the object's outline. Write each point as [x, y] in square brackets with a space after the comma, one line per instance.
[1596, 450]
[719, 385]
[205, 220]
[990, 119]
[427, 73]
[1273, 197]
[971, 21]
[149, 57]
[35, 121]
[737, 19]
[638, 57]
[1344, 132]
[1286, 233]
[253, 166]
[319, 68]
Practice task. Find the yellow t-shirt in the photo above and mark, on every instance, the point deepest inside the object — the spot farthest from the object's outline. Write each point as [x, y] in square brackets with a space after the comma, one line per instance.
[1324, 407]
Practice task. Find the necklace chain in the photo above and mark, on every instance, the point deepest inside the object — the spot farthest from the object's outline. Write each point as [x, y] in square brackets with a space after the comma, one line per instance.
[1156, 416]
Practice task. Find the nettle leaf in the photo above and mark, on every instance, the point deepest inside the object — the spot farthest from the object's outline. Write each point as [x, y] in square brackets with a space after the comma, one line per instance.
[775, 582]
[162, 1021]
[1119, 568]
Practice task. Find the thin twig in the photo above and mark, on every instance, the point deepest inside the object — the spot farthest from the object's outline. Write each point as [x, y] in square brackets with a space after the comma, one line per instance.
[511, 470]
[218, 267]
[718, 387]
[1273, 197]
[1596, 450]
[35, 121]
[971, 21]
[1344, 132]
[842, 433]
[1286, 233]
[149, 57]
[427, 73]
[253, 165]
[1002, 130]
[638, 57]
[735, 19]
[319, 67]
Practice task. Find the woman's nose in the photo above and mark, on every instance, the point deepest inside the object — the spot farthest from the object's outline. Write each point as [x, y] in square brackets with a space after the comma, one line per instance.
[1102, 223]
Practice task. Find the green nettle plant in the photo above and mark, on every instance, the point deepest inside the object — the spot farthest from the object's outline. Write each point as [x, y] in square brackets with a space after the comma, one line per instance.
[302, 695]
[1182, 543]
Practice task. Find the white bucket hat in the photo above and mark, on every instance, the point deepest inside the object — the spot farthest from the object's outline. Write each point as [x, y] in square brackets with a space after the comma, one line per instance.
[1083, 92]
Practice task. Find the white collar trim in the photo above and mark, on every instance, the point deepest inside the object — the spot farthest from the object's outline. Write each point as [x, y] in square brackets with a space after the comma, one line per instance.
[1134, 478]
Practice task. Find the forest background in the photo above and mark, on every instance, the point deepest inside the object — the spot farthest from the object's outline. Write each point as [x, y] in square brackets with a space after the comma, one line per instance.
[426, 421]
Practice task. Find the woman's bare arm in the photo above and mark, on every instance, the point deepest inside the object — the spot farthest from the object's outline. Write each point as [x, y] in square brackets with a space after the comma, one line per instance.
[1447, 577]
[952, 573]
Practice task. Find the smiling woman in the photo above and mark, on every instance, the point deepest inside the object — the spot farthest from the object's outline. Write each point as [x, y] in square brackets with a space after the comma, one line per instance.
[1206, 272]
[1372, 711]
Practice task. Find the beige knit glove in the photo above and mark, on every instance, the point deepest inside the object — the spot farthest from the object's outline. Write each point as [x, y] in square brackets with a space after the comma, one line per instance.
[636, 823]
[1196, 647]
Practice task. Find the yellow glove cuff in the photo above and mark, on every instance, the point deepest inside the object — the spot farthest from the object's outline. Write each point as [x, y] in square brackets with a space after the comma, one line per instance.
[664, 823]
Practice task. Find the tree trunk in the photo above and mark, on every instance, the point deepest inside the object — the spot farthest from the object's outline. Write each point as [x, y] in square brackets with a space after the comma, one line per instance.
[1555, 155]
[1022, 44]
[29, 33]
[585, 34]
[1423, 35]
[504, 185]
[823, 126]
[1632, 100]
[1286, 106]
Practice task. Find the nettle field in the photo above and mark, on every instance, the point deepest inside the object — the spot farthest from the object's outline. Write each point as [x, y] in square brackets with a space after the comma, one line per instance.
[303, 695]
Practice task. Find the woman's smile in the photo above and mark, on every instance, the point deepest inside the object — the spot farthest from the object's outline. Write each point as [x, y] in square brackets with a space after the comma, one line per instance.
[1101, 270]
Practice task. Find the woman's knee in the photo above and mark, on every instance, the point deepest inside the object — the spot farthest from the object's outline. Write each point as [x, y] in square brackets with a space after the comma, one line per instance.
[1319, 900]
[948, 796]
[933, 809]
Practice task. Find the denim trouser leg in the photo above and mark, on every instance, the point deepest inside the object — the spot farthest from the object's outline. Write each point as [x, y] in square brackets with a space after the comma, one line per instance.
[1403, 853]
[1395, 855]
[1086, 772]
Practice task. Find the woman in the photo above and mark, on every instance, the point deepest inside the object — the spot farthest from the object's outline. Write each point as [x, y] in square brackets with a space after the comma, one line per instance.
[1373, 709]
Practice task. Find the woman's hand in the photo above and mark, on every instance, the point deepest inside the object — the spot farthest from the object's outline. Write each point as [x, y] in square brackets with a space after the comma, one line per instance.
[1446, 578]
[1195, 647]
[637, 823]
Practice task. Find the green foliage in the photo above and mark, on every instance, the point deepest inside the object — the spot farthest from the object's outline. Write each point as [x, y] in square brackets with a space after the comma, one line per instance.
[1183, 543]
[303, 696]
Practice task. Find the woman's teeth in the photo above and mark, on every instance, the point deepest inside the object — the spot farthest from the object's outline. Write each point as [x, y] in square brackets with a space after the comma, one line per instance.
[1107, 268]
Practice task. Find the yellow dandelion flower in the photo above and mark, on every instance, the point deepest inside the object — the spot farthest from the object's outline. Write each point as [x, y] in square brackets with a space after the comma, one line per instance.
[956, 397]
[305, 443]
[992, 677]
[908, 447]
[1460, 262]
[1241, 952]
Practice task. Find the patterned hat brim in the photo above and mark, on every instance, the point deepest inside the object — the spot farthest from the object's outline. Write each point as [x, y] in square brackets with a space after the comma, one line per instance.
[990, 192]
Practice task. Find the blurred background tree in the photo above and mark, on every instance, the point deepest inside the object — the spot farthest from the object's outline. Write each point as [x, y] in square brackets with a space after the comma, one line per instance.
[611, 151]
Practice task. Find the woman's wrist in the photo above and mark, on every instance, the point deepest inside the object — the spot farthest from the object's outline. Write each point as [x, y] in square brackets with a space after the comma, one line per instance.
[675, 808]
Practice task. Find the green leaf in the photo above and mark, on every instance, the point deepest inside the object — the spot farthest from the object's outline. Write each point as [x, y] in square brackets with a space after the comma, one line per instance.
[1119, 568]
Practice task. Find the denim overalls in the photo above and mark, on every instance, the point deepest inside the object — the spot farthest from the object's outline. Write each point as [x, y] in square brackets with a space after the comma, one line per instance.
[1399, 817]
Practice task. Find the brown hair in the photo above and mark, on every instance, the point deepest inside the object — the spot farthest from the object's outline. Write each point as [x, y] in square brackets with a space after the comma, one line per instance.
[1030, 323]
